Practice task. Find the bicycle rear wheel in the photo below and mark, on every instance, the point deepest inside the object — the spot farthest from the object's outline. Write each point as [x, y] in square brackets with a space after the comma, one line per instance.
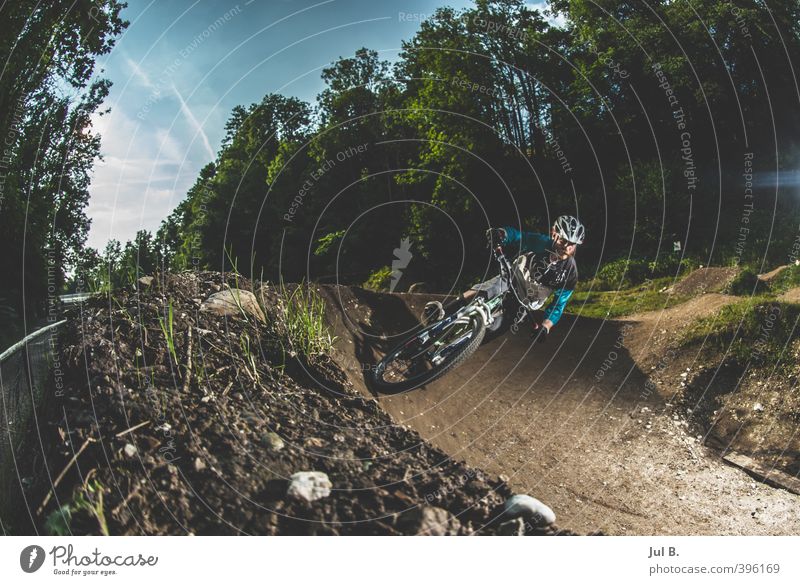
[429, 354]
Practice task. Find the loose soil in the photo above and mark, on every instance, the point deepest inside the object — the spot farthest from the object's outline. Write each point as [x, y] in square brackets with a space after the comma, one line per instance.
[202, 439]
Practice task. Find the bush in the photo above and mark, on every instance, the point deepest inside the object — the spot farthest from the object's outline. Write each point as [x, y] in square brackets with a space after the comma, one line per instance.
[621, 273]
[671, 265]
[627, 272]
[746, 283]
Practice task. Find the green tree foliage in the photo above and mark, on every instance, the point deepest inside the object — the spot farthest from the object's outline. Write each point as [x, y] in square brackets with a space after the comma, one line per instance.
[636, 116]
[48, 92]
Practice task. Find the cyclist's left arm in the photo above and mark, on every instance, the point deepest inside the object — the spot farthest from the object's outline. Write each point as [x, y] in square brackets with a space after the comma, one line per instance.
[556, 308]
[527, 241]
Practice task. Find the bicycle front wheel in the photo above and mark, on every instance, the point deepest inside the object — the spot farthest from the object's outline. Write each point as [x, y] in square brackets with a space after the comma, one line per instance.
[429, 354]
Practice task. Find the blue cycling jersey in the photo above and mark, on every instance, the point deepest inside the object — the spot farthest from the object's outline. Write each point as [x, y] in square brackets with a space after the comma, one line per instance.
[561, 276]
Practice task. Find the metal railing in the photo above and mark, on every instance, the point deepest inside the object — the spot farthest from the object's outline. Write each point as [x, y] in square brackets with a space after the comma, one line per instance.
[25, 372]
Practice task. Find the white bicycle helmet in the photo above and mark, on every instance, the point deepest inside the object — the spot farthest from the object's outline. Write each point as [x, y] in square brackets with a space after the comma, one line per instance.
[569, 228]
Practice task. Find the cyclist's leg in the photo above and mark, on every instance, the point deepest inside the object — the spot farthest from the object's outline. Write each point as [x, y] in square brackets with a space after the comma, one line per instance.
[491, 288]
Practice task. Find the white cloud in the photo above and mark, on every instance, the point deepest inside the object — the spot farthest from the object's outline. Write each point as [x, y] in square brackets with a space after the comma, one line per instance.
[139, 73]
[144, 174]
[187, 112]
[542, 6]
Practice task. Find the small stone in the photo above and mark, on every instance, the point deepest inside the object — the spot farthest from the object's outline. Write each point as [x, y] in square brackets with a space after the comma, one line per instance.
[199, 464]
[309, 486]
[429, 521]
[529, 508]
[314, 442]
[274, 441]
[758, 407]
[146, 281]
[129, 450]
[515, 527]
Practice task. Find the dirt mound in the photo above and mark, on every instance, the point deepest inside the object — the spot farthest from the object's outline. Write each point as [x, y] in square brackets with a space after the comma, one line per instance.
[705, 280]
[175, 421]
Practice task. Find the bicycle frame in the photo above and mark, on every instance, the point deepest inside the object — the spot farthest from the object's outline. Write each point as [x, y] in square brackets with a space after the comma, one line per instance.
[439, 341]
[486, 307]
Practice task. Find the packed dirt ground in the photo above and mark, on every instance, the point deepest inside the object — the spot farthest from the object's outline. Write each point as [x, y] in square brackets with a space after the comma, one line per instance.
[594, 422]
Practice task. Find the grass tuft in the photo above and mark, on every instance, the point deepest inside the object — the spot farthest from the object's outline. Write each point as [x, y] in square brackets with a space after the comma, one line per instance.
[302, 320]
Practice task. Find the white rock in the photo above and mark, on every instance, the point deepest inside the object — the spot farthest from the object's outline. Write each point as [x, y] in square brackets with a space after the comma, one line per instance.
[232, 303]
[531, 509]
[758, 407]
[130, 450]
[309, 486]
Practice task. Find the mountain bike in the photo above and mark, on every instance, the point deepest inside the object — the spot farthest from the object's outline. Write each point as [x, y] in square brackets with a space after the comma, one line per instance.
[436, 349]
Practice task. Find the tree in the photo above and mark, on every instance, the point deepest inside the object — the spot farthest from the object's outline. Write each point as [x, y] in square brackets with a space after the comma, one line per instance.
[47, 96]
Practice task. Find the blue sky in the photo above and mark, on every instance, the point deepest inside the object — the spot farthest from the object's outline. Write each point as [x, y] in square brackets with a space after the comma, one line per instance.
[182, 65]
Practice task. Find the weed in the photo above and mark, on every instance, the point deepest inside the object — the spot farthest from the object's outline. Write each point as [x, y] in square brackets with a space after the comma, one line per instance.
[235, 290]
[379, 280]
[250, 361]
[88, 499]
[169, 334]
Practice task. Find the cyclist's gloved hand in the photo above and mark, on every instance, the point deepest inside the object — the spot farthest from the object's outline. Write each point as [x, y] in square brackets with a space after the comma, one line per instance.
[495, 236]
[538, 330]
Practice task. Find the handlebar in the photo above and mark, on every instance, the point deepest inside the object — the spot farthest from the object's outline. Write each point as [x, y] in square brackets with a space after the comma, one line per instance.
[507, 272]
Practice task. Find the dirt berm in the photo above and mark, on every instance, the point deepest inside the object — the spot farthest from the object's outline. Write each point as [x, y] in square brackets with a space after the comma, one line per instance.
[169, 419]
[578, 422]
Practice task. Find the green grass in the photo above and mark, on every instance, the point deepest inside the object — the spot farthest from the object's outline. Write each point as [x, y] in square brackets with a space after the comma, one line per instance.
[647, 296]
[756, 329]
[249, 357]
[302, 321]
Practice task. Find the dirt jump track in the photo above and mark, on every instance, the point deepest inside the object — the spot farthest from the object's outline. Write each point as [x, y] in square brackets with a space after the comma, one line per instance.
[575, 422]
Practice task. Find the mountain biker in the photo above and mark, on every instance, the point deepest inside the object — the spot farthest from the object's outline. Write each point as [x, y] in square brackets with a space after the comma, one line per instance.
[546, 266]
